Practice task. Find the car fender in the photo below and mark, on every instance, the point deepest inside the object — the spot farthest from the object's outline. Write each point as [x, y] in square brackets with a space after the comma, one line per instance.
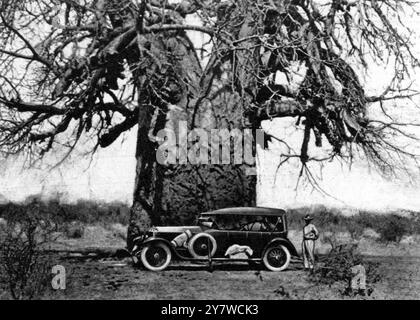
[285, 242]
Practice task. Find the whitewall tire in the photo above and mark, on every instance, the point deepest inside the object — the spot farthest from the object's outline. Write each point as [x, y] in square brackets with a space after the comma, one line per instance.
[156, 256]
[276, 258]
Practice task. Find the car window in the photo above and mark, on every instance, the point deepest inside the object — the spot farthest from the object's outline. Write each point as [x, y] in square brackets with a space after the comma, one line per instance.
[265, 224]
[274, 224]
[207, 223]
[245, 223]
[228, 222]
[257, 225]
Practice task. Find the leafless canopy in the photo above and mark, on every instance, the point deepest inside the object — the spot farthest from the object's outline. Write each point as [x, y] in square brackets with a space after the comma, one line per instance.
[71, 68]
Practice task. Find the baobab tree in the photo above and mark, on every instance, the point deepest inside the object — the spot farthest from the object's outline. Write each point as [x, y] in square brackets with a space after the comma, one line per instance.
[78, 71]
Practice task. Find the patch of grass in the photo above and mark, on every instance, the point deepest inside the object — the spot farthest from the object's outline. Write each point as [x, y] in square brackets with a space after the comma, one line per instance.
[83, 211]
[391, 226]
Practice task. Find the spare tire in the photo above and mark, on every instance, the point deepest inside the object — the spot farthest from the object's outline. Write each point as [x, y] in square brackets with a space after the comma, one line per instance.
[199, 245]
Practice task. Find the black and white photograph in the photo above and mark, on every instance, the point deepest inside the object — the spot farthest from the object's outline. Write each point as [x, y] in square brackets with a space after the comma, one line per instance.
[209, 150]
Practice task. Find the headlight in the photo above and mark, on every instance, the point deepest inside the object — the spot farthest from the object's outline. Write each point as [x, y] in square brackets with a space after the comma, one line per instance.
[152, 231]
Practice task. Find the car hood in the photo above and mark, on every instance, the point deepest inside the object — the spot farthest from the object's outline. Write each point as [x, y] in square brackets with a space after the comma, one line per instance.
[176, 229]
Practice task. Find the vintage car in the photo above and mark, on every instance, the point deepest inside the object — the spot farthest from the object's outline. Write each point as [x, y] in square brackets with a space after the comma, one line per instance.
[252, 234]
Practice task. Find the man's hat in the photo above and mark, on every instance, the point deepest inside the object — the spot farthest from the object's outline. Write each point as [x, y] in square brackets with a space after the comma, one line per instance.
[308, 217]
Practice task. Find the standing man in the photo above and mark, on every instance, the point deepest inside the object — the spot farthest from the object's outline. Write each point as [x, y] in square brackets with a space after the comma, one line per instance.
[310, 235]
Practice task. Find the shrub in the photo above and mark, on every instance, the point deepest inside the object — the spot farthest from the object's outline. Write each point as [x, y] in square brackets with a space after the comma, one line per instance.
[393, 228]
[336, 267]
[327, 219]
[23, 266]
[354, 227]
[82, 211]
[74, 230]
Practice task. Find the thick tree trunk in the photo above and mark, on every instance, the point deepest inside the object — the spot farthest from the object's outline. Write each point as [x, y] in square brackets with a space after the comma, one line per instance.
[176, 194]
[142, 209]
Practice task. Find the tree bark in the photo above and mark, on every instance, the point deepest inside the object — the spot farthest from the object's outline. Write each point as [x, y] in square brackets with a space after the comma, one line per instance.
[176, 194]
[141, 214]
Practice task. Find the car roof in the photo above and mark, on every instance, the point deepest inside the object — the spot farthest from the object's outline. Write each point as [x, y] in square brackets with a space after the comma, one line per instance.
[248, 211]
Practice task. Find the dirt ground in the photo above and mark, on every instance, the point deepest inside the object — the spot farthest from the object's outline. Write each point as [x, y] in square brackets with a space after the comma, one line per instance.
[116, 279]
[93, 277]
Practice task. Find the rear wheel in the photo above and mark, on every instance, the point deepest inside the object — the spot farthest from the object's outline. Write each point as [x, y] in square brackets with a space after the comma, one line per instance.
[276, 258]
[156, 256]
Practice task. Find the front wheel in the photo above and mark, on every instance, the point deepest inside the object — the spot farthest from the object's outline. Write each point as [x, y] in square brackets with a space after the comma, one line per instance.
[156, 256]
[276, 258]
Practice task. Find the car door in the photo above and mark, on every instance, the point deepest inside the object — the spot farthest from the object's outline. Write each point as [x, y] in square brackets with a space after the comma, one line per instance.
[222, 241]
[254, 240]
[238, 237]
[250, 236]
